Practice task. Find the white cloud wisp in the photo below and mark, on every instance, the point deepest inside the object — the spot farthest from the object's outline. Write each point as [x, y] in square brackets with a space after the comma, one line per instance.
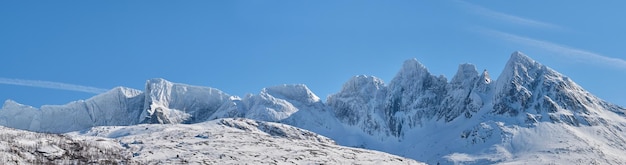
[507, 17]
[52, 85]
[574, 53]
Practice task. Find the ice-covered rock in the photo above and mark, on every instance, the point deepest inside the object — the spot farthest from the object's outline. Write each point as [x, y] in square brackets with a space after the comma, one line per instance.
[413, 94]
[538, 93]
[465, 93]
[168, 102]
[360, 103]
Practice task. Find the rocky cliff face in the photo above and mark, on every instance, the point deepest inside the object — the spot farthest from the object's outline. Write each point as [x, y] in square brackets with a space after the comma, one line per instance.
[168, 102]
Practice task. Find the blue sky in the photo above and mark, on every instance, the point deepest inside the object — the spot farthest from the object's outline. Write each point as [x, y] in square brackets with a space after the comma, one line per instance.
[54, 52]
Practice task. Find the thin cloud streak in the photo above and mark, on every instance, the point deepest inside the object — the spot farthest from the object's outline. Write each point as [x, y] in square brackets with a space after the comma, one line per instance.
[507, 17]
[577, 54]
[52, 85]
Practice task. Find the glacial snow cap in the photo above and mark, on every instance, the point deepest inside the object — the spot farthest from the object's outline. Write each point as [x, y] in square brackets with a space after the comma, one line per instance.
[363, 81]
[298, 92]
[12, 104]
[124, 91]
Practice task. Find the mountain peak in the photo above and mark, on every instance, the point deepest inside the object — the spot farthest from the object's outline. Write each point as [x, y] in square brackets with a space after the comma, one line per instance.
[519, 58]
[412, 64]
[360, 82]
[520, 68]
[465, 72]
[517, 55]
[484, 77]
[298, 92]
[411, 71]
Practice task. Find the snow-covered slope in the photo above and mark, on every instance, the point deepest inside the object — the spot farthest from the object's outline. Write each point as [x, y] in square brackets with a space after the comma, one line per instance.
[223, 141]
[530, 114]
[234, 141]
[23, 147]
[119, 106]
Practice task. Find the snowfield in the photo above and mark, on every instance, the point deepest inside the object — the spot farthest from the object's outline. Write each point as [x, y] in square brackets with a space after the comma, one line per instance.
[222, 141]
[234, 141]
[24, 147]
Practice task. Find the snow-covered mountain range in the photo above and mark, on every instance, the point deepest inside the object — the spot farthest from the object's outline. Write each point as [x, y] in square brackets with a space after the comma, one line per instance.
[529, 114]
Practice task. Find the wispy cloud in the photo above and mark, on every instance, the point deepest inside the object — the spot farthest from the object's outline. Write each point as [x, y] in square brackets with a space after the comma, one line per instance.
[562, 50]
[52, 85]
[507, 17]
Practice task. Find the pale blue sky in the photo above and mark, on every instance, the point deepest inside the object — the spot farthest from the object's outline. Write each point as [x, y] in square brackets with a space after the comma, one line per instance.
[243, 46]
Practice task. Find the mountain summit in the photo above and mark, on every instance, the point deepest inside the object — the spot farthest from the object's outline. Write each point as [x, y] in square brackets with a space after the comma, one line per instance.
[529, 114]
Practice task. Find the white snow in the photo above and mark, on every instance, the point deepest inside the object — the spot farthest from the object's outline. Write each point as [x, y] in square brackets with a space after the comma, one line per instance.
[530, 115]
[235, 141]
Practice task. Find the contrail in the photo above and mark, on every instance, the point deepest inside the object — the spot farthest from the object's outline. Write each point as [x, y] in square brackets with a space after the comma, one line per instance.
[52, 85]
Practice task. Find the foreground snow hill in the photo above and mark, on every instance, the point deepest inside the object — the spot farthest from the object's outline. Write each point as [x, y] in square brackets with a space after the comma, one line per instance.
[24, 147]
[233, 141]
[222, 141]
[529, 114]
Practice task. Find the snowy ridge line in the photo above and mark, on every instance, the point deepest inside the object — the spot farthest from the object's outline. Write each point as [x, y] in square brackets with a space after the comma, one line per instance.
[485, 121]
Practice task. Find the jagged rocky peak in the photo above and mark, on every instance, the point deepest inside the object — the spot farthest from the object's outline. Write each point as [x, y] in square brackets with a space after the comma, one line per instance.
[362, 84]
[528, 88]
[465, 93]
[484, 77]
[414, 78]
[466, 73]
[412, 69]
[521, 68]
[483, 83]
[516, 83]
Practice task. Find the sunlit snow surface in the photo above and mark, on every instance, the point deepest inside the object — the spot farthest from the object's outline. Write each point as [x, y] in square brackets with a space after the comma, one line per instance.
[24, 147]
[529, 114]
[234, 141]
